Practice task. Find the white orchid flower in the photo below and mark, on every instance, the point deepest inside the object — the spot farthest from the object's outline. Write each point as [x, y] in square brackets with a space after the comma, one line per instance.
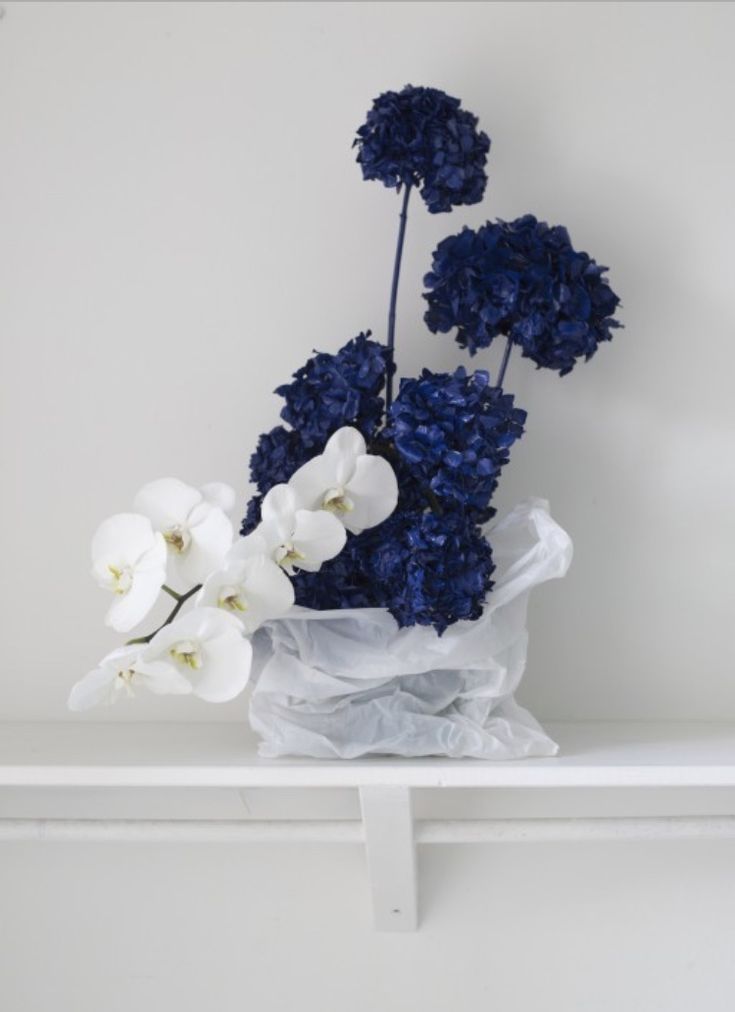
[193, 523]
[219, 494]
[121, 672]
[207, 647]
[358, 488]
[129, 558]
[294, 537]
[250, 585]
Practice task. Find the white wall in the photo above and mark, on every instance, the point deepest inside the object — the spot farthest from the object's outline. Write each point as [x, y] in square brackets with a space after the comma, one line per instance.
[574, 929]
[182, 222]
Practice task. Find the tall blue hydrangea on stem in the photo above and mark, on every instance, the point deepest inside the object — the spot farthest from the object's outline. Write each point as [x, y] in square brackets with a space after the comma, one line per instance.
[523, 279]
[421, 138]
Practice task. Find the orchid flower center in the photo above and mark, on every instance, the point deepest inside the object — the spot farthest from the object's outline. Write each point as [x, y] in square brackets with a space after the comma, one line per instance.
[232, 598]
[177, 538]
[336, 501]
[187, 652]
[126, 680]
[122, 579]
[286, 555]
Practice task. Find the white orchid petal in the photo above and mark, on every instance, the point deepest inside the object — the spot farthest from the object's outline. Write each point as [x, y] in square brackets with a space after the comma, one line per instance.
[219, 494]
[226, 669]
[127, 610]
[258, 589]
[277, 516]
[208, 596]
[358, 488]
[278, 508]
[317, 536]
[211, 538]
[223, 656]
[251, 545]
[97, 687]
[197, 624]
[124, 537]
[312, 480]
[161, 678]
[373, 493]
[129, 558]
[154, 560]
[268, 591]
[167, 502]
[342, 451]
[123, 671]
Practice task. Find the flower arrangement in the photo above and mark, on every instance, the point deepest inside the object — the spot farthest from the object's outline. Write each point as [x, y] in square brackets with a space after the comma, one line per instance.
[367, 496]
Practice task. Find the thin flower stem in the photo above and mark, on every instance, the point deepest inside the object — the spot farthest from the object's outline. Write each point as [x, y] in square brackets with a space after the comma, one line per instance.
[394, 297]
[504, 363]
[181, 601]
[171, 593]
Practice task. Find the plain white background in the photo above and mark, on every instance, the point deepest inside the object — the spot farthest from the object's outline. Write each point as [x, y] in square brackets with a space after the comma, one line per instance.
[182, 222]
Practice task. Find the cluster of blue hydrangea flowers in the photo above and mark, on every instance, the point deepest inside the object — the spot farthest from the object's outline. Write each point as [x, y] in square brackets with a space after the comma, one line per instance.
[335, 390]
[278, 454]
[330, 391]
[522, 279]
[429, 563]
[453, 432]
[424, 568]
[439, 569]
[348, 581]
[422, 137]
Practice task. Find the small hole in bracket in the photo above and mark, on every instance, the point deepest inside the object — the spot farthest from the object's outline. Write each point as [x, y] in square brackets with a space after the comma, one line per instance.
[396, 911]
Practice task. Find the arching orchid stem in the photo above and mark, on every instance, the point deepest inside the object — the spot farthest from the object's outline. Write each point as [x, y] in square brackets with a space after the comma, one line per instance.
[504, 363]
[394, 297]
[181, 601]
[171, 593]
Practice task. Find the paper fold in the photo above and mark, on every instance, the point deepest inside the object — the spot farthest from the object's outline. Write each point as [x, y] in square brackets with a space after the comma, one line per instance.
[341, 684]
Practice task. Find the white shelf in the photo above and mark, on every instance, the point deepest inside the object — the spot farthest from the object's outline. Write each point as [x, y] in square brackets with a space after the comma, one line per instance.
[83, 775]
[592, 754]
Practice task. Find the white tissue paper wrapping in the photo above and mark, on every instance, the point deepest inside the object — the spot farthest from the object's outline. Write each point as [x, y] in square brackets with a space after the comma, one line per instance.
[343, 684]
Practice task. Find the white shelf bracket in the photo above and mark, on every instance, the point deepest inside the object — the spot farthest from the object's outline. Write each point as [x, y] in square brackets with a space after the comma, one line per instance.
[391, 856]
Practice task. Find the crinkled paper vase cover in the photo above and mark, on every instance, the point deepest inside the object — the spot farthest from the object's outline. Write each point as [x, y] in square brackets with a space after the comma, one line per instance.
[343, 684]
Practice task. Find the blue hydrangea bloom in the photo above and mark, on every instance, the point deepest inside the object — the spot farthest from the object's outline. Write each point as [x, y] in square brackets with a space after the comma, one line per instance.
[435, 570]
[335, 390]
[278, 454]
[453, 432]
[414, 495]
[522, 279]
[425, 569]
[346, 581]
[422, 137]
[252, 515]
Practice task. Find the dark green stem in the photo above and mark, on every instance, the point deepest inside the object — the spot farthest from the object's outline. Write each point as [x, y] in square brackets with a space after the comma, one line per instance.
[504, 363]
[181, 600]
